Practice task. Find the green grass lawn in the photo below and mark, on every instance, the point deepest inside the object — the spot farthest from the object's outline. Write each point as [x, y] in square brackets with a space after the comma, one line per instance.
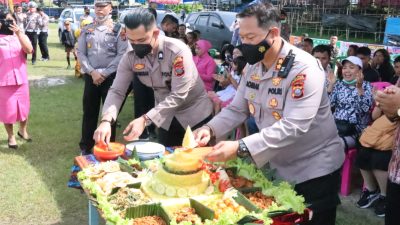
[33, 179]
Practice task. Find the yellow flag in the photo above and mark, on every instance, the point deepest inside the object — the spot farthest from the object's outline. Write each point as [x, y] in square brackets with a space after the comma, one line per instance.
[11, 5]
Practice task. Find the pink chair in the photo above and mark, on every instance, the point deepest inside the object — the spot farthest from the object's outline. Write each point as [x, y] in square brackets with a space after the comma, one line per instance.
[345, 187]
[380, 85]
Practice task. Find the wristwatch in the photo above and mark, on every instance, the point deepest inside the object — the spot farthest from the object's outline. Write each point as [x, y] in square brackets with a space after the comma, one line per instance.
[147, 120]
[243, 151]
[107, 121]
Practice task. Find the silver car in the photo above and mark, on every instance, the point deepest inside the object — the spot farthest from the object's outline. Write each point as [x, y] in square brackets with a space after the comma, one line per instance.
[72, 14]
[214, 26]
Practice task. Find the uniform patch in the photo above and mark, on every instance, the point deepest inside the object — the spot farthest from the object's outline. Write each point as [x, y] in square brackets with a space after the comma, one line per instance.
[252, 109]
[89, 45]
[276, 81]
[252, 85]
[178, 66]
[275, 91]
[276, 115]
[139, 66]
[298, 86]
[279, 63]
[252, 96]
[255, 77]
[273, 102]
[141, 73]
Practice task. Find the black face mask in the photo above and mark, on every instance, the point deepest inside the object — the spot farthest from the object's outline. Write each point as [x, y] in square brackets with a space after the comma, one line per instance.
[141, 50]
[255, 53]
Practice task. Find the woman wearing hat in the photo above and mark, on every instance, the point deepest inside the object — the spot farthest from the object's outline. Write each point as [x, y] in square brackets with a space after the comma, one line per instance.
[351, 100]
[14, 87]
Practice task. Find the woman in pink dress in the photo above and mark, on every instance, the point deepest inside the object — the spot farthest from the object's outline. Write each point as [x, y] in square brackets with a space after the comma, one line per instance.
[14, 87]
[205, 64]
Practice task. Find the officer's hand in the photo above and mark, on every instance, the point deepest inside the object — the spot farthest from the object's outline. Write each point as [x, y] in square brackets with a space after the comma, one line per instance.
[103, 133]
[134, 129]
[97, 77]
[202, 135]
[223, 151]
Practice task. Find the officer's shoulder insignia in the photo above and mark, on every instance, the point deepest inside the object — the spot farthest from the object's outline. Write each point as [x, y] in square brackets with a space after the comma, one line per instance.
[298, 86]
[276, 115]
[279, 63]
[139, 66]
[178, 66]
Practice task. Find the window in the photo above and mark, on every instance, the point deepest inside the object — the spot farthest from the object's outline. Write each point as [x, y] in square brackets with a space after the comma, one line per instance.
[67, 14]
[214, 19]
[192, 18]
[202, 21]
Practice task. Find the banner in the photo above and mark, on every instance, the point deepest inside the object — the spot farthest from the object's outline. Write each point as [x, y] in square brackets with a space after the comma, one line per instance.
[344, 46]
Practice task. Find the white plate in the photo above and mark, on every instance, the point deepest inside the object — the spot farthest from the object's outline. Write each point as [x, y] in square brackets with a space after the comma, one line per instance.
[146, 147]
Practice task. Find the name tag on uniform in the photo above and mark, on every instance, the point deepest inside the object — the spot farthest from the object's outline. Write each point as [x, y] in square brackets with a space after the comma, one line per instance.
[252, 85]
[275, 91]
[145, 73]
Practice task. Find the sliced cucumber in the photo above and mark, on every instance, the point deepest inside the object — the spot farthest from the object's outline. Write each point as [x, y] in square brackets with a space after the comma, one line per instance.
[193, 191]
[160, 188]
[170, 191]
[182, 192]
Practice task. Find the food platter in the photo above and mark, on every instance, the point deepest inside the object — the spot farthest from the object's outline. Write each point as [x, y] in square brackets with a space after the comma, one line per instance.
[183, 189]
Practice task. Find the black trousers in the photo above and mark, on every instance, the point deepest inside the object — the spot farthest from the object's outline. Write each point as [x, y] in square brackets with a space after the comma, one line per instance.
[144, 101]
[33, 37]
[92, 97]
[392, 214]
[43, 45]
[322, 194]
[174, 135]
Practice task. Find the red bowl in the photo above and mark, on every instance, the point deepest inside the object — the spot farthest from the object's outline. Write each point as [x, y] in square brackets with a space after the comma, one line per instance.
[103, 153]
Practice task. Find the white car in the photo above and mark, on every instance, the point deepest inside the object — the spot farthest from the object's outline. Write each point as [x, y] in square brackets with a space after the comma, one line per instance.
[72, 14]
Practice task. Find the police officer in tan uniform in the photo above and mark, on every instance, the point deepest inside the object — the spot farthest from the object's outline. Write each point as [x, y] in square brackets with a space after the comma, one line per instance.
[31, 27]
[283, 89]
[164, 64]
[100, 49]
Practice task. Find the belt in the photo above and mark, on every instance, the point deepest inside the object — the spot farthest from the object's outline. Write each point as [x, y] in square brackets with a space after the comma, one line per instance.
[32, 31]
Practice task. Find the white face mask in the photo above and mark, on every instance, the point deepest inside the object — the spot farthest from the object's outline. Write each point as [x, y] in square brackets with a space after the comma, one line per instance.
[102, 19]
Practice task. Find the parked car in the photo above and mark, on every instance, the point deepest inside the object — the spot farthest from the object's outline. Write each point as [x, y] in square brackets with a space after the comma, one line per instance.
[72, 14]
[213, 26]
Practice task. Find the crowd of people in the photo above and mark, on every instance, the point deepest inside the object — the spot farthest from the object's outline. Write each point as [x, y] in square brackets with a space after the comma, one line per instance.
[298, 108]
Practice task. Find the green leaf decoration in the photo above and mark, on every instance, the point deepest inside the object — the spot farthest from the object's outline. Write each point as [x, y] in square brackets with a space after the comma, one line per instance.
[246, 203]
[203, 211]
[154, 209]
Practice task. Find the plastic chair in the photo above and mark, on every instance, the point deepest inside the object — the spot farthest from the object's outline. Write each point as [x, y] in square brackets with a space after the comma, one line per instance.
[380, 85]
[345, 187]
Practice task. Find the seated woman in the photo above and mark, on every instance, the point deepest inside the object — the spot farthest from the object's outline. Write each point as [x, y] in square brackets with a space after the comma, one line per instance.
[351, 100]
[373, 158]
[381, 62]
[205, 64]
[192, 38]
[224, 97]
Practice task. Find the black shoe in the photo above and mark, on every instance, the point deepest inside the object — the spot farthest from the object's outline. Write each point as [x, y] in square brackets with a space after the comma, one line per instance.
[367, 198]
[380, 206]
[26, 139]
[12, 146]
[33, 62]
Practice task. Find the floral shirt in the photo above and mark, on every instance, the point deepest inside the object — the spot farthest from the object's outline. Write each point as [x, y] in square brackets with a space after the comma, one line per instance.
[351, 107]
[394, 165]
